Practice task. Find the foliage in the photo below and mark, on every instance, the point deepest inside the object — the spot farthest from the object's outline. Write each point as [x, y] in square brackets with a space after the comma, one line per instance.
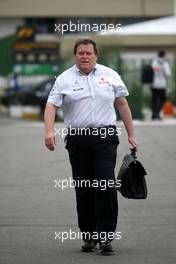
[6, 55]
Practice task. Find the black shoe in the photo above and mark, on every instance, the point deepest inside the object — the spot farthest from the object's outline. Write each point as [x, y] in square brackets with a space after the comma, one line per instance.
[88, 246]
[154, 117]
[106, 247]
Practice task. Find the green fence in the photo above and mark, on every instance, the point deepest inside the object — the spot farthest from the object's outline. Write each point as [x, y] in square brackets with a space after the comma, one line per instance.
[6, 55]
[130, 71]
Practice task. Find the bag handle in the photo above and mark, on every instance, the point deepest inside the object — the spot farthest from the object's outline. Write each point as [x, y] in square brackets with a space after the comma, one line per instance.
[133, 152]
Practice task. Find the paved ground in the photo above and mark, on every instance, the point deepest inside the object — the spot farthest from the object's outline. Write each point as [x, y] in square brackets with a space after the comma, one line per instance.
[32, 209]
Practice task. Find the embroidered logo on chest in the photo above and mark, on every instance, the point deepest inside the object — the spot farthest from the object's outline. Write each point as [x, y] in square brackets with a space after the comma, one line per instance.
[103, 80]
[77, 89]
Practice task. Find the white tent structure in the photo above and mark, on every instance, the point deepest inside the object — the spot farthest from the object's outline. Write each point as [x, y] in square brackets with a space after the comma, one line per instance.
[144, 36]
[161, 26]
[157, 33]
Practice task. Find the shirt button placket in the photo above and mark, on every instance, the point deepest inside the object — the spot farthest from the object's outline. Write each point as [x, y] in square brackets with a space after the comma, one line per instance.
[90, 77]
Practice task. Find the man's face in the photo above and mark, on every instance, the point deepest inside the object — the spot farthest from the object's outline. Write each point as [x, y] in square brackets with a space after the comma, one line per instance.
[85, 58]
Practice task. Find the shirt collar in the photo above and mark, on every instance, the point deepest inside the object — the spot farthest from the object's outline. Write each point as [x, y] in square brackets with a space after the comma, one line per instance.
[78, 70]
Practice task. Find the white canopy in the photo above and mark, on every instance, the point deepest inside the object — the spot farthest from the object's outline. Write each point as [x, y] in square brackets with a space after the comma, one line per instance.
[161, 26]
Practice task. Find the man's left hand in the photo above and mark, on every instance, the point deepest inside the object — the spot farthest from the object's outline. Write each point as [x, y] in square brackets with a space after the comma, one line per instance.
[133, 142]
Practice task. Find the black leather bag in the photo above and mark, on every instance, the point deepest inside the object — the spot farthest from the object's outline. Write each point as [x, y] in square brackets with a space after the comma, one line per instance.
[132, 178]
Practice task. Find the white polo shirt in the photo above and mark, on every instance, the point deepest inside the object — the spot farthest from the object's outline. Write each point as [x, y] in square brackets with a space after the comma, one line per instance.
[87, 100]
[162, 71]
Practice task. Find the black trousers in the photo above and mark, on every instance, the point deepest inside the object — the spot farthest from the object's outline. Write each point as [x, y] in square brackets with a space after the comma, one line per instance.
[158, 98]
[93, 160]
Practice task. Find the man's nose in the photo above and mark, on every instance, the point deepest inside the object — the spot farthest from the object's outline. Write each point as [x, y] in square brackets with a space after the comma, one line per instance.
[84, 55]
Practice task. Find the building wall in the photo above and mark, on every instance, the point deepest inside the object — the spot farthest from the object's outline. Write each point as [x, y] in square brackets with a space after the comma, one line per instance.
[56, 8]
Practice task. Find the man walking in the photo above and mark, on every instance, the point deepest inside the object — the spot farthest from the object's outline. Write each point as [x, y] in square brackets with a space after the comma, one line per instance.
[161, 72]
[88, 93]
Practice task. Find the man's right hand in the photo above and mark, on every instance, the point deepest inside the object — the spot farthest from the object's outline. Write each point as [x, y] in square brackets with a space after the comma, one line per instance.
[50, 140]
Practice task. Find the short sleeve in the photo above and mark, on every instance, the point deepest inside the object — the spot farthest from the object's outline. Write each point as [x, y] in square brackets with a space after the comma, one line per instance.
[55, 96]
[167, 69]
[119, 86]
